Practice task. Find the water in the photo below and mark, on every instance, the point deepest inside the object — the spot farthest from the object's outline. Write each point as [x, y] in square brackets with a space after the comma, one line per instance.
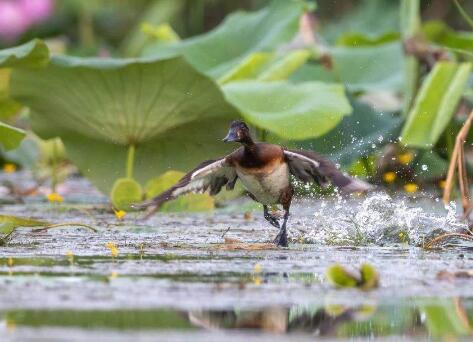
[175, 279]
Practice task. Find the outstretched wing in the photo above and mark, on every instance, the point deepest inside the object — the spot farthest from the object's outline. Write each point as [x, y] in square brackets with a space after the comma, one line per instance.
[311, 167]
[211, 175]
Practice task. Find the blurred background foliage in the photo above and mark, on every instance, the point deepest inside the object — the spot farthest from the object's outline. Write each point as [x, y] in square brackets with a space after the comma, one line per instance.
[358, 74]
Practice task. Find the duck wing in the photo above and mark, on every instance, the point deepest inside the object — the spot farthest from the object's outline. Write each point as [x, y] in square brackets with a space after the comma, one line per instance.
[211, 175]
[312, 167]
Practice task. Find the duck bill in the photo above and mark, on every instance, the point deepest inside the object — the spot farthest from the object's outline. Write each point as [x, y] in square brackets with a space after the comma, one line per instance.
[231, 136]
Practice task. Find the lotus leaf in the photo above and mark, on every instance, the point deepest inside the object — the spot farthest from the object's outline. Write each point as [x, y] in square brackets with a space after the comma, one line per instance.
[174, 115]
[125, 192]
[369, 68]
[291, 111]
[338, 276]
[10, 137]
[217, 52]
[435, 104]
[356, 134]
[32, 54]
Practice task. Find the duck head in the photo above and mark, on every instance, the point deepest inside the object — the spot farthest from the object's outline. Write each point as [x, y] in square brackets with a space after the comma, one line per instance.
[238, 132]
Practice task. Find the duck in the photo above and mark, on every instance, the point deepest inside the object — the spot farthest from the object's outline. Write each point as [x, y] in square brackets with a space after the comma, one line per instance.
[266, 172]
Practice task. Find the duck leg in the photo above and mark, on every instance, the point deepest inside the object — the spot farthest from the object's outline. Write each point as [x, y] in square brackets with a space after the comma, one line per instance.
[281, 238]
[270, 218]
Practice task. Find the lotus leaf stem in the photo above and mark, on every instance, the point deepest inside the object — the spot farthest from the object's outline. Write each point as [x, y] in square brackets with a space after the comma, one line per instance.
[65, 225]
[130, 162]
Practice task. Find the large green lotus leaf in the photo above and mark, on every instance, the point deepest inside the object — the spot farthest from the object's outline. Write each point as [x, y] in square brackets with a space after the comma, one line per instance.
[292, 111]
[372, 18]
[438, 32]
[10, 137]
[217, 52]
[32, 54]
[266, 66]
[356, 135]
[369, 68]
[182, 148]
[126, 101]
[435, 104]
[173, 114]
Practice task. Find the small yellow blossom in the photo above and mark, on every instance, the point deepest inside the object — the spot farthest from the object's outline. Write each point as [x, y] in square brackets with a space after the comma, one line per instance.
[55, 197]
[70, 257]
[113, 275]
[10, 325]
[258, 268]
[257, 281]
[120, 214]
[113, 249]
[10, 262]
[411, 187]
[9, 168]
[442, 184]
[389, 176]
[405, 158]
[403, 237]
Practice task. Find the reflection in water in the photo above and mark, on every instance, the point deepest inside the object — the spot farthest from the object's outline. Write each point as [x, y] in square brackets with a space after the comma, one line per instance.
[415, 317]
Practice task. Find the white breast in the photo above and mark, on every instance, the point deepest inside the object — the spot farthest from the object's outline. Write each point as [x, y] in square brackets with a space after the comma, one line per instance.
[267, 188]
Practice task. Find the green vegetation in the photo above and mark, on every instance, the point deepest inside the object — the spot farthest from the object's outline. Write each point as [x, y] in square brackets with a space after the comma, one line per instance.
[163, 102]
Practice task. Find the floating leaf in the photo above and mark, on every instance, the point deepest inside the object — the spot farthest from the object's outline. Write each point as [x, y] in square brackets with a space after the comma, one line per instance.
[291, 111]
[10, 137]
[189, 202]
[435, 104]
[219, 51]
[8, 224]
[369, 277]
[338, 276]
[125, 192]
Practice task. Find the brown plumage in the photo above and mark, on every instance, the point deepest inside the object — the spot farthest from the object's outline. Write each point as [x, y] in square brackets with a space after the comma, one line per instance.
[264, 170]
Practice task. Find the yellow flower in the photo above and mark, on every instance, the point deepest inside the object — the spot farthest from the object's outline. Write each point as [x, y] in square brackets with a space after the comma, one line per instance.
[10, 262]
[9, 168]
[113, 249]
[10, 325]
[70, 256]
[258, 268]
[411, 187]
[55, 197]
[442, 184]
[120, 214]
[405, 158]
[113, 275]
[389, 176]
[257, 281]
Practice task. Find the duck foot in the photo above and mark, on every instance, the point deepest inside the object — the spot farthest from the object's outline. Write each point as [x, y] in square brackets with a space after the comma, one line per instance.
[281, 238]
[270, 218]
[273, 220]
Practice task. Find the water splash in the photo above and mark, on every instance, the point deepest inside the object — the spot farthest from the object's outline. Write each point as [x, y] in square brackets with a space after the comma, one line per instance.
[377, 220]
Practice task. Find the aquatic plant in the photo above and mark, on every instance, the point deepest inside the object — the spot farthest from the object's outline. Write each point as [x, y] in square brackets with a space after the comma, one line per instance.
[150, 114]
[367, 278]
